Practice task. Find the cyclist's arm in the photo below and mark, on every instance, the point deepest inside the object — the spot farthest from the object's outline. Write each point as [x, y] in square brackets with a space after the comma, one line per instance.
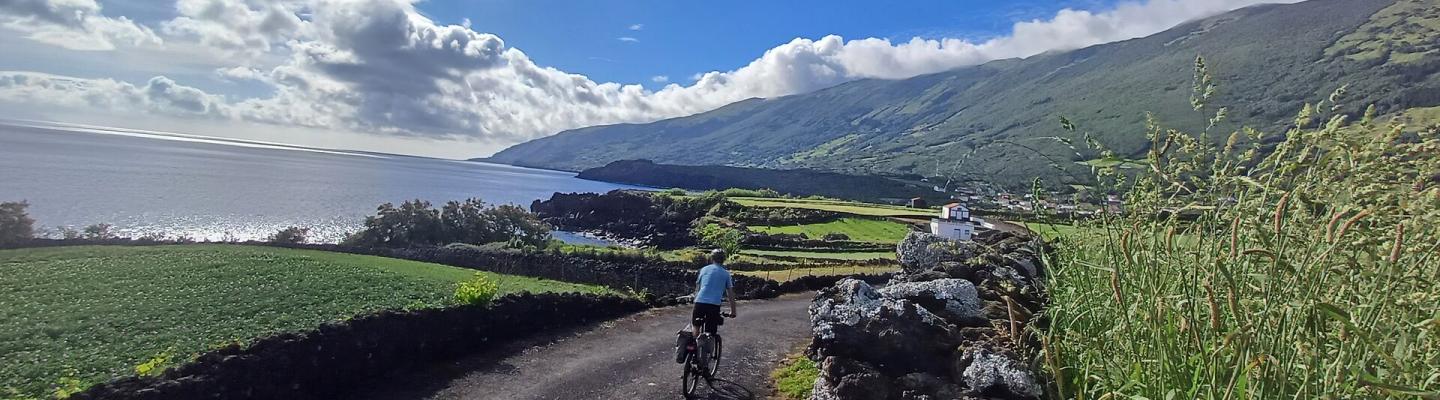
[730, 298]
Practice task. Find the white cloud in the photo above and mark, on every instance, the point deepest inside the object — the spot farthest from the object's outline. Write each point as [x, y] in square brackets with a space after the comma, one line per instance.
[637, 27]
[239, 27]
[628, 39]
[160, 95]
[660, 78]
[380, 66]
[73, 24]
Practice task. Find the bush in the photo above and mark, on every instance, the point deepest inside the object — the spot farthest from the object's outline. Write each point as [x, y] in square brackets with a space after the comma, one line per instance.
[15, 224]
[721, 237]
[736, 192]
[416, 223]
[479, 290]
[99, 232]
[291, 235]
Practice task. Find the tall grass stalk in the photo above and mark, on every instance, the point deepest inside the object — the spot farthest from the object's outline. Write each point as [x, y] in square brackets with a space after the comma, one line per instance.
[1304, 271]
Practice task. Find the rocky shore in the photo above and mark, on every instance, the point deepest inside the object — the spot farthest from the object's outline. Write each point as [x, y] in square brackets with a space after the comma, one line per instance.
[951, 325]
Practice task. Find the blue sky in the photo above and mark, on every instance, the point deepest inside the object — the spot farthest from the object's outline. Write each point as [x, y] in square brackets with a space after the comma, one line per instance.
[679, 39]
[459, 79]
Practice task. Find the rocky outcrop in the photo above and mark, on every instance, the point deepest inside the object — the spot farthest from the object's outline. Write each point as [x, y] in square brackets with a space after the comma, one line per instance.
[951, 325]
[662, 221]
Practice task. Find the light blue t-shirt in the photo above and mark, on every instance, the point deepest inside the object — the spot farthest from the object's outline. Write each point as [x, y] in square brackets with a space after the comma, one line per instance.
[713, 281]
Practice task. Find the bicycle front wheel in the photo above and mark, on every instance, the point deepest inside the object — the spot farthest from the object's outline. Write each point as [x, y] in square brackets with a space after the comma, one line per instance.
[714, 361]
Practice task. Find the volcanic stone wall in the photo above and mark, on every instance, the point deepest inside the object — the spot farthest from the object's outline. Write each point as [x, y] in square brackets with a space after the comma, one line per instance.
[326, 362]
[951, 325]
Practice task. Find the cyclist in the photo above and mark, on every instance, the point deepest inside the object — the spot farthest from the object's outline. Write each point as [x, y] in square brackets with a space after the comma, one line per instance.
[714, 285]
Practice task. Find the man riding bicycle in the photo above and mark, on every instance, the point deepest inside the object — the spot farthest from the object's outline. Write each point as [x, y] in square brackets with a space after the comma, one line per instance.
[700, 349]
[714, 285]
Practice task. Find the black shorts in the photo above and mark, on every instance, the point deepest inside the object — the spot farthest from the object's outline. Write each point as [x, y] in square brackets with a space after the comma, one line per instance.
[707, 316]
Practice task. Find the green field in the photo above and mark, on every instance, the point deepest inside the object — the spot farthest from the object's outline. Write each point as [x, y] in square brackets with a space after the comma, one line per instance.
[847, 207]
[856, 256]
[95, 312]
[795, 273]
[1053, 231]
[858, 229]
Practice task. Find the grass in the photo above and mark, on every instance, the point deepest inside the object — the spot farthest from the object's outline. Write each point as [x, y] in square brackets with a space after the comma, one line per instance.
[840, 206]
[855, 256]
[858, 229]
[795, 379]
[1320, 280]
[1053, 231]
[796, 273]
[94, 313]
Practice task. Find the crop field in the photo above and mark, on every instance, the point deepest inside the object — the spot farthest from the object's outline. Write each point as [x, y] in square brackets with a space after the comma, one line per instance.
[858, 229]
[847, 207]
[75, 316]
[796, 273]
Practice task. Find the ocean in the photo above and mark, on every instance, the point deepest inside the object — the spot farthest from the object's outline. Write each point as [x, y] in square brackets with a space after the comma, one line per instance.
[215, 189]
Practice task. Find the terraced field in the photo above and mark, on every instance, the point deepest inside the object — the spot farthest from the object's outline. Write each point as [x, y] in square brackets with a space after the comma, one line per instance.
[840, 206]
[858, 229]
[74, 316]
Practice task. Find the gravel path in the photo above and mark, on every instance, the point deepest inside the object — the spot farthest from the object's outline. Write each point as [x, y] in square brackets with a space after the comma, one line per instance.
[629, 358]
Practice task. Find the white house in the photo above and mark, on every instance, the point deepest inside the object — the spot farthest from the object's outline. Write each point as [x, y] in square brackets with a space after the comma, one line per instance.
[955, 222]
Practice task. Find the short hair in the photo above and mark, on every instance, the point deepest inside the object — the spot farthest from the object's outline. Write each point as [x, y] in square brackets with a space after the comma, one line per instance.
[718, 256]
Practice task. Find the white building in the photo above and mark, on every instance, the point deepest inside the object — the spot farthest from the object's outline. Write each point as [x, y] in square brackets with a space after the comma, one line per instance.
[955, 222]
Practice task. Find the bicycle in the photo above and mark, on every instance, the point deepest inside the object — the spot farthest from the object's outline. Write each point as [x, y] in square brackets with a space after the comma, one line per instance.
[695, 366]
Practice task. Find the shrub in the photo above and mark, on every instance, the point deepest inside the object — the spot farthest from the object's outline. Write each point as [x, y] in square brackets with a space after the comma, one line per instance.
[291, 235]
[479, 290]
[15, 223]
[98, 232]
[676, 192]
[736, 192]
[721, 237]
[1306, 270]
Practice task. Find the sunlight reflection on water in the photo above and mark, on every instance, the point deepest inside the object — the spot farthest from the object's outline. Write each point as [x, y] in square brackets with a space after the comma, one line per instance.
[215, 191]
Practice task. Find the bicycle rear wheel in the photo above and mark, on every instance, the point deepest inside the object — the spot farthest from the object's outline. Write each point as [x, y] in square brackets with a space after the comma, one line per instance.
[690, 379]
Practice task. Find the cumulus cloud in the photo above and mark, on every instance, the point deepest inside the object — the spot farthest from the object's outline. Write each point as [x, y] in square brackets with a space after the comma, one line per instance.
[628, 39]
[381, 66]
[160, 95]
[637, 27]
[73, 24]
[244, 27]
[660, 78]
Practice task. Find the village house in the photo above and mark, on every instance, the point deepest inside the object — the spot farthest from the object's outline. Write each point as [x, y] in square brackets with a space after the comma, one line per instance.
[955, 222]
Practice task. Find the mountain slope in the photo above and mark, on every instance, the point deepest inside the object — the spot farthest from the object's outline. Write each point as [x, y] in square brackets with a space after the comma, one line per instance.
[1269, 61]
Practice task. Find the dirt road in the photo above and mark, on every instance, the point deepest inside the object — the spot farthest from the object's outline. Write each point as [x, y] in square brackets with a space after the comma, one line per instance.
[630, 359]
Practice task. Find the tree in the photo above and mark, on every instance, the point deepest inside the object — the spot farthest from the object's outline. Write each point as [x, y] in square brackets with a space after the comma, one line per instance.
[291, 235]
[416, 223]
[15, 224]
[99, 232]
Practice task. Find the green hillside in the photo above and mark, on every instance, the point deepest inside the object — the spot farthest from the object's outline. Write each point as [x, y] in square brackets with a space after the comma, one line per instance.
[994, 121]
